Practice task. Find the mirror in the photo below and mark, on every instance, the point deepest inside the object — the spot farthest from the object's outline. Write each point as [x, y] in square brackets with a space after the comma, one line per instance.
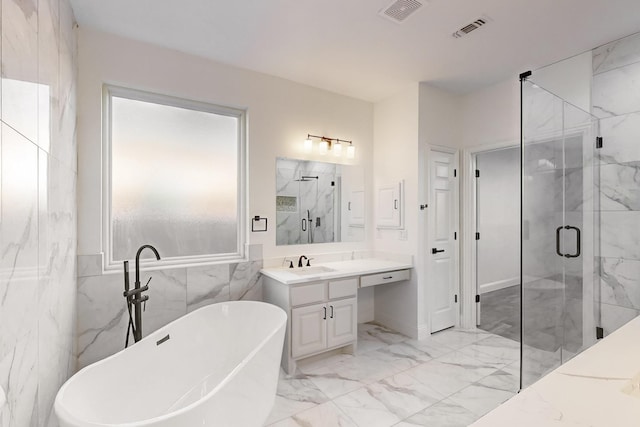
[318, 202]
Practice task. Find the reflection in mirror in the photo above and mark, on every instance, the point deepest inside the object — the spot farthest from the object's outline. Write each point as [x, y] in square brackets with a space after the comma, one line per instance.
[317, 203]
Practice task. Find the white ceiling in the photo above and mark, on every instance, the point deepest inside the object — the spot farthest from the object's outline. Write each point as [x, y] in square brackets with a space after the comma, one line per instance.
[344, 45]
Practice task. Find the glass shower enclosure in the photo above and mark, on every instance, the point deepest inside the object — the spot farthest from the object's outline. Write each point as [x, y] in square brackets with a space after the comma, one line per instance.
[560, 231]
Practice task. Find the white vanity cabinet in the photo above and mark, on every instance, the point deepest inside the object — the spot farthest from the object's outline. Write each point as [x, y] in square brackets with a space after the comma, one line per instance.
[323, 316]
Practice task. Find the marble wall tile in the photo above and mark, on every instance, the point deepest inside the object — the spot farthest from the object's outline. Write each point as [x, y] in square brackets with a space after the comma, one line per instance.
[167, 297]
[19, 276]
[617, 92]
[207, 285]
[102, 318]
[617, 54]
[621, 139]
[619, 282]
[20, 66]
[89, 265]
[615, 316]
[63, 144]
[620, 187]
[38, 212]
[244, 277]
[620, 234]
[48, 69]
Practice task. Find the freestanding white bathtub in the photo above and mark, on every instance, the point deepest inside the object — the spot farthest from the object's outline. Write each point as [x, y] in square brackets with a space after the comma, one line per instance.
[217, 366]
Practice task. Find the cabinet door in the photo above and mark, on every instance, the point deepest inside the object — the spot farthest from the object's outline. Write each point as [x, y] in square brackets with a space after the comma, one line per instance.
[342, 322]
[308, 330]
[389, 213]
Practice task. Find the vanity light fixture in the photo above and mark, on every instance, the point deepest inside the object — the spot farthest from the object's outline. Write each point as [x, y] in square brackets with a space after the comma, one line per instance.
[337, 149]
[351, 151]
[308, 145]
[323, 147]
[327, 144]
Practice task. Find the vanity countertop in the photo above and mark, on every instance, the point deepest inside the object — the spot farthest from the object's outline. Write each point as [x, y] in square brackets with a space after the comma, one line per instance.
[334, 270]
[599, 387]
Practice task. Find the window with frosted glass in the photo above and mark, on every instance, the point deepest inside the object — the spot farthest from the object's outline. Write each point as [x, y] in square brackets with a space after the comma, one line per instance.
[175, 174]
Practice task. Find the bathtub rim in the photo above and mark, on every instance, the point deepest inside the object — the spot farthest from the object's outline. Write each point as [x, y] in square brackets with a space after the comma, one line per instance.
[60, 408]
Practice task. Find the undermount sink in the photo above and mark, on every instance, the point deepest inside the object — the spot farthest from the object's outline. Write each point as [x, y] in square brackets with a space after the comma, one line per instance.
[307, 271]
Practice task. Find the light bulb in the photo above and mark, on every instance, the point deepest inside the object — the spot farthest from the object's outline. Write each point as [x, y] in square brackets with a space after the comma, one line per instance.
[308, 145]
[351, 152]
[324, 147]
[337, 149]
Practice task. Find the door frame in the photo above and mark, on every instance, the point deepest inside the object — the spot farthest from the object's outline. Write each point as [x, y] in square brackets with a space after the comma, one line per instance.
[468, 307]
[427, 242]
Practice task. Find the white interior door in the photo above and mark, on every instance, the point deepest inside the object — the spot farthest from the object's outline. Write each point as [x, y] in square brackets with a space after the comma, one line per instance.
[443, 249]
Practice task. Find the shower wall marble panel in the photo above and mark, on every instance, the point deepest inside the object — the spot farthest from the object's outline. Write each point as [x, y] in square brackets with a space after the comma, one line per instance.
[38, 207]
[102, 312]
[616, 98]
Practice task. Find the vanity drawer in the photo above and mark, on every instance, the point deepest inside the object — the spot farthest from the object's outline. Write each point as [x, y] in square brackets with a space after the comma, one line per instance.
[308, 294]
[382, 278]
[343, 288]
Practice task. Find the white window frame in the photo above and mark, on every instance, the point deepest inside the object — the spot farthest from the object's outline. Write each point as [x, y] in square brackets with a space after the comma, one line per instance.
[107, 237]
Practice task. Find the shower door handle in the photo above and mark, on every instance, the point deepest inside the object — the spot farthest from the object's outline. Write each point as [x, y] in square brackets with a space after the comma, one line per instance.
[578, 243]
[304, 224]
[558, 241]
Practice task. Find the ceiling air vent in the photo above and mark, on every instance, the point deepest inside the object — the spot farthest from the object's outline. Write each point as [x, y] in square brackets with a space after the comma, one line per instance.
[399, 10]
[484, 20]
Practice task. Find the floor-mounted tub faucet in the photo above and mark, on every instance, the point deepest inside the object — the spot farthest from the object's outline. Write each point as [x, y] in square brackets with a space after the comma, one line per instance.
[134, 296]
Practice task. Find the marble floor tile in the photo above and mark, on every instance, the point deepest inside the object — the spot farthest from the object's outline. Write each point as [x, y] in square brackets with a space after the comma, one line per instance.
[446, 413]
[429, 347]
[310, 365]
[458, 338]
[480, 399]
[401, 382]
[451, 373]
[294, 395]
[501, 349]
[404, 395]
[363, 408]
[380, 333]
[327, 414]
[502, 380]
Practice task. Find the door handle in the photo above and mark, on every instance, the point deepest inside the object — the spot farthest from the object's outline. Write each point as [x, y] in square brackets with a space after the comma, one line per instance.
[331, 312]
[578, 243]
[436, 250]
[395, 204]
[325, 312]
[304, 224]
[558, 241]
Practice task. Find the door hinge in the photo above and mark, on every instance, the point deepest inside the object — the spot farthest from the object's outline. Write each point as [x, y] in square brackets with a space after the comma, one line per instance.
[477, 236]
[477, 298]
[455, 235]
[599, 332]
[455, 173]
[423, 207]
[477, 173]
[455, 298]
[599, 142]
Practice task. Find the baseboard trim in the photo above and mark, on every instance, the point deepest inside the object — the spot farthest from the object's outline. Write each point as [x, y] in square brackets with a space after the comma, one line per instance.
[500, 284]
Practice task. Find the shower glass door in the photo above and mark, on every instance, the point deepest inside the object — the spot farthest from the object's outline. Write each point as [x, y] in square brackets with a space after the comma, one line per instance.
[559, 231]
